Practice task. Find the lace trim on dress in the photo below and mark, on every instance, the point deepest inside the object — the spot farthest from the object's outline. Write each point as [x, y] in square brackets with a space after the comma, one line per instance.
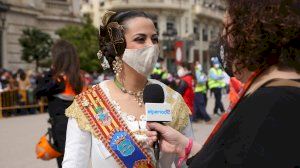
[74, 111]
[138, 127]
[180, 111]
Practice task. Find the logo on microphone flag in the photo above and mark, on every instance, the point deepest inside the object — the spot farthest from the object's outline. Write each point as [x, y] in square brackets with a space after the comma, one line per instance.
[159, 112]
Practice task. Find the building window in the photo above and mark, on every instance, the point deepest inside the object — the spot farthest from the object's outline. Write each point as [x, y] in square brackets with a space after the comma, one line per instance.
[155, 21]
[170, 26]
[205, 63]
[155, 24]
[212, 34]
[196, 32]
[186, 25]
[204, 34]
[196, 56]
[171, 30]
[1, 52]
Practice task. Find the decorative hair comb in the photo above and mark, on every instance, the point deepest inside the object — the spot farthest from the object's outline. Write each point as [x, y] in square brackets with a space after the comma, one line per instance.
[107, 15]
[114, 40]
[103, 61]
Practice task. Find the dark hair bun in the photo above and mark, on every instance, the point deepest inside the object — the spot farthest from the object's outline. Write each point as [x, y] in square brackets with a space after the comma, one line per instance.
[112, 41]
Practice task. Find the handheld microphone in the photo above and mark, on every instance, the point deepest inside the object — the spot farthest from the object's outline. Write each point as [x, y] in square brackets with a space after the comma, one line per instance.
[156, 110]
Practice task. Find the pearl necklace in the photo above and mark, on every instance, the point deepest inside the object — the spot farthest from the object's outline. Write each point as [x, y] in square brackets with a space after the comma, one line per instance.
[138, 95]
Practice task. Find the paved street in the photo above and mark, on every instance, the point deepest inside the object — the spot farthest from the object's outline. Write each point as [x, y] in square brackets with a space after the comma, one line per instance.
[20, 134]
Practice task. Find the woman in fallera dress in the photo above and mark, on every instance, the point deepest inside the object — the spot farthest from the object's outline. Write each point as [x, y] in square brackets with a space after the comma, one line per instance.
[107, 123]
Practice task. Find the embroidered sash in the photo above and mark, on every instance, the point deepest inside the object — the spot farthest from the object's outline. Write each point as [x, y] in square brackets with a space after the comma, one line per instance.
[111, 129]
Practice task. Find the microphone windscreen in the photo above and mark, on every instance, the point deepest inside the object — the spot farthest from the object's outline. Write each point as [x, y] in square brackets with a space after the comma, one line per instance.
[153, 93]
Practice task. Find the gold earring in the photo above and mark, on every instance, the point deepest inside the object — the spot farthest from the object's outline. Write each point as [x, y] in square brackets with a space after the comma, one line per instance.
[117, 66]
[104, 63]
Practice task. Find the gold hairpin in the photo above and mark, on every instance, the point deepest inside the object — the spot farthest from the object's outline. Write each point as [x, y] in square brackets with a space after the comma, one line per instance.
[106, 17]
[112, 39]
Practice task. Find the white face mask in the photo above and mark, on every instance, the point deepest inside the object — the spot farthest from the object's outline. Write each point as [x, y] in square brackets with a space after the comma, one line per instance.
[199, 66]
[181, 72]
[157, 65]
[142, 60]
[217, 66]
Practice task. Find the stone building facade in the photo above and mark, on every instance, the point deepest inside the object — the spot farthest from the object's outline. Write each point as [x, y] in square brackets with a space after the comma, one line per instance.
[46, 15]
[186, 27]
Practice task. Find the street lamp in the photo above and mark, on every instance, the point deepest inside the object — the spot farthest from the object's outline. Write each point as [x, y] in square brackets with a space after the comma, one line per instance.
[3, 9]
[3, 19]
[168, 42]
[168, 49]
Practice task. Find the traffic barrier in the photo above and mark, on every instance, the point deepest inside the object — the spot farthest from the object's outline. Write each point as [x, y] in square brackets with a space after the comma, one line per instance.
[12, 100]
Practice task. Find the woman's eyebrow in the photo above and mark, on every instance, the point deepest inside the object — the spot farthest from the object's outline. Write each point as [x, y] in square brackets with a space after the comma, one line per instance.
[143, 35]
[156, 34]
[139, 34]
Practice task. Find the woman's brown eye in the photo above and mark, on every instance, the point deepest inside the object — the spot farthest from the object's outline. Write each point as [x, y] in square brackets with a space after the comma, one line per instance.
[155, 40]
[140, 40]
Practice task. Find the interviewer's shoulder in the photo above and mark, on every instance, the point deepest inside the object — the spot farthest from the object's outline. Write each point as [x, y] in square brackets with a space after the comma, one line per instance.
[278, 100]
[278, 93]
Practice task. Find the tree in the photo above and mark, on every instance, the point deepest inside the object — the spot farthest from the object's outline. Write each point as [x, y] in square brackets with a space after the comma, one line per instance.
[36, 45]
[85, 39]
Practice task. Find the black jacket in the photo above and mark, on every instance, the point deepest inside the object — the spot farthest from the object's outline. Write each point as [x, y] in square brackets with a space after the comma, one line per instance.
[262, 131]
[47, 86]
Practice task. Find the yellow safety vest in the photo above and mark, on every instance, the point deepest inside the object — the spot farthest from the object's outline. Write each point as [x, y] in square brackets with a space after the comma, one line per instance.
[200, 87]
[215, 83]
[164, 75]
[157, 71]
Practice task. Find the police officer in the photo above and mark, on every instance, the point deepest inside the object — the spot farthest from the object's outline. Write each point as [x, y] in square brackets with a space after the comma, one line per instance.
[157, 72]
[200, 100]
[216, 83]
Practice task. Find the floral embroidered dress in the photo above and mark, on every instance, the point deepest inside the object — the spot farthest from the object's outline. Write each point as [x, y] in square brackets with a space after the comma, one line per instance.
[84, 147]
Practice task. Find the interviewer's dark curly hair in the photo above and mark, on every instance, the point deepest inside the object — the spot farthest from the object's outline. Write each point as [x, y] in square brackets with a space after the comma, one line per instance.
[112, 41]
[263, 33]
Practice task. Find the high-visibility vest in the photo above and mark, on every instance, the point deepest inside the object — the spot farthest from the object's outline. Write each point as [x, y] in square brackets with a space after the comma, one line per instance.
[200, 87]
[157, 71]
[164, 75]
[215, 83]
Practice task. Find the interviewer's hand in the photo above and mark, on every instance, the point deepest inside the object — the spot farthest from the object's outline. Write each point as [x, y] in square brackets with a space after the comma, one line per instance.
[171, 140]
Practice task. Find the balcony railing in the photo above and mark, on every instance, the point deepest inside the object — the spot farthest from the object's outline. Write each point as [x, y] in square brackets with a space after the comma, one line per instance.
[152, 4]
[61, 5]
[208, 12]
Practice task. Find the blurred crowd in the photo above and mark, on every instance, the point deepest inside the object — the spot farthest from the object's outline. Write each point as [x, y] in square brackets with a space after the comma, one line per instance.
[191, 81]
[195, 84]
[17, 88]
[21, 79]
[27, 80]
